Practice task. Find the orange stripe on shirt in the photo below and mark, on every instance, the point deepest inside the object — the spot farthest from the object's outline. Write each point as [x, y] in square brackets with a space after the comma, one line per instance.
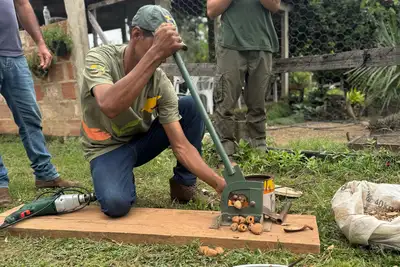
[95, 133]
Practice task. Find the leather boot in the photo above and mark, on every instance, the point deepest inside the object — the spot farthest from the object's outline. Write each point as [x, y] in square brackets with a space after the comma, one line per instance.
[5, 198]
[55, 183]
[181, 193]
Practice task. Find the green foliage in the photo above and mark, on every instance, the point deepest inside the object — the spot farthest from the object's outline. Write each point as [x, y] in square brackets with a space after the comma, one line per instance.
[335, 91]
[194, 32]
[355, 97]
[278, 110]
[54, 34]
[380, 83]
[300, 78]
[325, 27]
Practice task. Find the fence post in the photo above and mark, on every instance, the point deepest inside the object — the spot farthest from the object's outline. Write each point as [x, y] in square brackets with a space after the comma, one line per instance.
[76, 13]
[285, 52]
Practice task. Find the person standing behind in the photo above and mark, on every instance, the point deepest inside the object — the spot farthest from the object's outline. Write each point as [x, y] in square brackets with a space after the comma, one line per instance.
[246, 42]
[16, 86]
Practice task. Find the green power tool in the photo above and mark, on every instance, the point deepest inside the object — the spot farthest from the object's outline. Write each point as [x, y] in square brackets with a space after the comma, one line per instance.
[58, 203]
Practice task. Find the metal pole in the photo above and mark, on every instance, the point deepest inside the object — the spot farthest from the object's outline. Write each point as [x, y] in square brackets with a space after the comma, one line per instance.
[204, 115]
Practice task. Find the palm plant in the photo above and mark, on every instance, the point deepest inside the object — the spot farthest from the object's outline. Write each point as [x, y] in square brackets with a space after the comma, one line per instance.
[380, 83]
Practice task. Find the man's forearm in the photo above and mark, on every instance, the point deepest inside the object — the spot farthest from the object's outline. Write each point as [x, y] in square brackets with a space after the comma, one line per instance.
[120, 96]
[189, 157]
[217, 7]
[28, 20]
[271, 5]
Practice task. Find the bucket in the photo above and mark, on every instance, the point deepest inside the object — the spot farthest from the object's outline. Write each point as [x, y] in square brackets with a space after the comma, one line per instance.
[269, 189]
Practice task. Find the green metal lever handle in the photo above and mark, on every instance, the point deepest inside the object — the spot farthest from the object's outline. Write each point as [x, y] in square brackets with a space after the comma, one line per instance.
[203, 113]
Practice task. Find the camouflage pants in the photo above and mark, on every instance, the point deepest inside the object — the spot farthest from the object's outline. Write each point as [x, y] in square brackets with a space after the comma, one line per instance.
[235, 67]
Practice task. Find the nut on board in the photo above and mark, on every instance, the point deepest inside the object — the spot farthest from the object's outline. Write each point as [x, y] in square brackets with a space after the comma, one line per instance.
[250, 219]
[234, 226]
[236, 219]
[242, 220]
[256, 228]
[242, 228]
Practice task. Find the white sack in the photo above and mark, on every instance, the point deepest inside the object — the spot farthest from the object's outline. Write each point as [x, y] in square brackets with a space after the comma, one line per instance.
[348, 205]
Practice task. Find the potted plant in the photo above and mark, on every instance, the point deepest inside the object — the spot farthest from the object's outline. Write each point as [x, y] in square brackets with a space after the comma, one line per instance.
[58, 41]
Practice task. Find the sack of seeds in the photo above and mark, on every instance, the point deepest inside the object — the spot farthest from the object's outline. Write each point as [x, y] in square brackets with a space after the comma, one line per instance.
[369, 213]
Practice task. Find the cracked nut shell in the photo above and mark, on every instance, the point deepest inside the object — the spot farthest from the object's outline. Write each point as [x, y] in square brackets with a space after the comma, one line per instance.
[242, 228]
[235, 219]
[237, 204]
[250, 219]
[234, 226]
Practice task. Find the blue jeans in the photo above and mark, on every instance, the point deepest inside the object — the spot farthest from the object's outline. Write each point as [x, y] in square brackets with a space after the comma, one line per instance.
[16, 86]
[112, 173]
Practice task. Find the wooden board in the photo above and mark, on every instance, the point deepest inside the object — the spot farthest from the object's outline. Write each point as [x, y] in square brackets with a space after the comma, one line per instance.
[377, 57]
[166, 226]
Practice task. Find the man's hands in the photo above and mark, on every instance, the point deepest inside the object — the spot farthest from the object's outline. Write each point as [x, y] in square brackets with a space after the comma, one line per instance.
[189, 157]
[166, 41]
[44, 55]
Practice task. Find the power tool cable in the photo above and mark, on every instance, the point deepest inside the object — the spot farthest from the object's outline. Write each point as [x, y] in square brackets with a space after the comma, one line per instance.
[56, 195]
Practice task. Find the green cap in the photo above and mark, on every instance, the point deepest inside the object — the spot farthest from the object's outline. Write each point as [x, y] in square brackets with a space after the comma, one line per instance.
[150, 17]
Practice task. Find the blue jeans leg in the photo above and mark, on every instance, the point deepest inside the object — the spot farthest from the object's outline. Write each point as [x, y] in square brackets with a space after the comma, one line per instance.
[3, 170]
[156, 140]
[18, 91]
[113, 181]
[112, 173]
[3, 174]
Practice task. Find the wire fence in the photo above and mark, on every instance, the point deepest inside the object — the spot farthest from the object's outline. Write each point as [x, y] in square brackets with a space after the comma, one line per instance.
[318, 28]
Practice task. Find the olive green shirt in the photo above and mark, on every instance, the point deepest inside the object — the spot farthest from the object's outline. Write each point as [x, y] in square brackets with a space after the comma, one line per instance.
[247, 25]
[100, 134]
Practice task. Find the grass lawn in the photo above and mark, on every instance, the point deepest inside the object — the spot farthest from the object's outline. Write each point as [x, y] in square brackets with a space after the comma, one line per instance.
[324, 177]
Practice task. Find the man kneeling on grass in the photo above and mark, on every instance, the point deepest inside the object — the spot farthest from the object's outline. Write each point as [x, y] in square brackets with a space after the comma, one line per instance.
[131, 114]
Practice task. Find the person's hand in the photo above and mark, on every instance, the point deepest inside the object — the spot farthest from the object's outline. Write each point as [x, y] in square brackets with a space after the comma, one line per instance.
[167, 41]
[221, 185]
[45, 56]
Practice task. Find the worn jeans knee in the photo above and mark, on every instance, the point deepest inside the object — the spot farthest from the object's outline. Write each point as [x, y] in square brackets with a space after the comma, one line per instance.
[114, 205]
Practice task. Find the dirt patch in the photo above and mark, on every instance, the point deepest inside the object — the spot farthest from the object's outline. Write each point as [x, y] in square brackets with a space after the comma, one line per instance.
[282, 135]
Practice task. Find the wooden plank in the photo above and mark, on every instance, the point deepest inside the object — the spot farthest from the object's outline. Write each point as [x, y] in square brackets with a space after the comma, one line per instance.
[285, 52]
[166, 226]
[377, 57]
[95, 40]
[194, 69]
[103, 3]
[97, 28]
[388, 56]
